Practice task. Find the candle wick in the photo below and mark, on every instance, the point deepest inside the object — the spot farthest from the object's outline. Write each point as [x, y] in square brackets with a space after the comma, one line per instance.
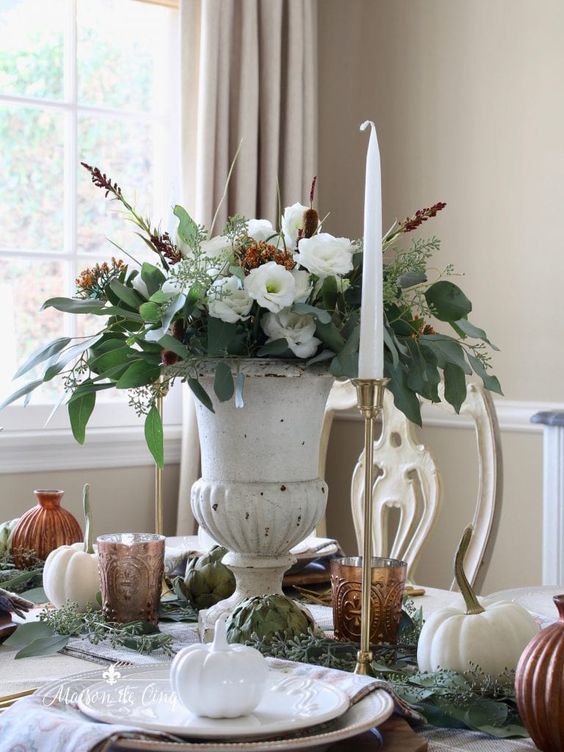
[366, 124]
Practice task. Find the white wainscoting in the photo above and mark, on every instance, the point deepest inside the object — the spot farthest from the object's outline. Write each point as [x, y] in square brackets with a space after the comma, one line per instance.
[512, 415]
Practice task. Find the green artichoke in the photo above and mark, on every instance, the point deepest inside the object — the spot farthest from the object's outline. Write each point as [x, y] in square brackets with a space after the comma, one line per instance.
[267, 617]
[207, 580]
[6, 530]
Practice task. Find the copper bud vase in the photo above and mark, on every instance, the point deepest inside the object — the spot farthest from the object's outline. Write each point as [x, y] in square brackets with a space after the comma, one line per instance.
[43, 528]
[539, 685]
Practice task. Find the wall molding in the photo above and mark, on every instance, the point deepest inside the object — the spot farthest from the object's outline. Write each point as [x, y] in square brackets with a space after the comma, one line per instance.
[56, 449]
[513, 415]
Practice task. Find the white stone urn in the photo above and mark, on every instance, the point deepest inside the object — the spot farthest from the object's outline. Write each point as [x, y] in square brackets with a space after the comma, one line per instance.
[260, 493]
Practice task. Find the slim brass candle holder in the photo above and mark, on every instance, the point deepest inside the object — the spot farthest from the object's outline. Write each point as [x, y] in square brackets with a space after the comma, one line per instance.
[370, 400]
[159, 514]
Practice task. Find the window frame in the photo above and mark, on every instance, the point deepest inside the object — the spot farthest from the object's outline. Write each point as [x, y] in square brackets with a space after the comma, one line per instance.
[26, 424]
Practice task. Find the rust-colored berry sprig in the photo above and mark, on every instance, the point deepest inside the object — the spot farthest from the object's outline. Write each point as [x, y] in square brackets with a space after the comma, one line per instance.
[161, 243]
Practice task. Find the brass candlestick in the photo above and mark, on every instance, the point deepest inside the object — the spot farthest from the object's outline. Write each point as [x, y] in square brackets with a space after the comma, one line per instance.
[159, 517]
[370, 399]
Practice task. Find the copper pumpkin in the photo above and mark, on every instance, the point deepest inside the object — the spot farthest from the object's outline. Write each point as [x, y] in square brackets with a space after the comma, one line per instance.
[43, 528]
[539, 685]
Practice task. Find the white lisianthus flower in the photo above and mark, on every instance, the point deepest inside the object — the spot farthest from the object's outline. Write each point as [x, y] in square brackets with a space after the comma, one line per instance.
[292, 223]
[260, 229]
[303, 285]
[325, 255]
[140, 286]
[172, 285]
[216, 247]
[228, 301]
[272, 286]
[297, 330]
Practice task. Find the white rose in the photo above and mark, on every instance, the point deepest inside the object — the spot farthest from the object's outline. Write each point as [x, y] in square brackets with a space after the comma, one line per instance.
[228, 301]
[303, 285]
[296, 329]
[292, 223]
[260, 229]
[325, 255]
[272, 286]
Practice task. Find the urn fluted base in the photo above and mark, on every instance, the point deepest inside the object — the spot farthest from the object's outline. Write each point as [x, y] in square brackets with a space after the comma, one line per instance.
[260, 494]
[258, 523]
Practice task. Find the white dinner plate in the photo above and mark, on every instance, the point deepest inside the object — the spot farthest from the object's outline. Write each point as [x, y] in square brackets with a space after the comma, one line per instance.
[371, 711]
[537, 600]
[289, 703]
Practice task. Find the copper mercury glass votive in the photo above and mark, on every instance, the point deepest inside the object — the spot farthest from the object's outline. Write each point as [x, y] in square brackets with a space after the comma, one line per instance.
[131, 571]
[387, 586]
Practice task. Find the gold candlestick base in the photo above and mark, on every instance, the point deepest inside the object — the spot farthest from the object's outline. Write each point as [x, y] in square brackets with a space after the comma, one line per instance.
[370, 399]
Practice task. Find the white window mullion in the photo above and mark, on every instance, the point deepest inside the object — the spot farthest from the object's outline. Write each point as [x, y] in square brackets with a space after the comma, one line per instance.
[71, 154]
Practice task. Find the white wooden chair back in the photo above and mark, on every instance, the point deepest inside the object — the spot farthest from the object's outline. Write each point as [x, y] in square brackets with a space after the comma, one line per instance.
[407, 479]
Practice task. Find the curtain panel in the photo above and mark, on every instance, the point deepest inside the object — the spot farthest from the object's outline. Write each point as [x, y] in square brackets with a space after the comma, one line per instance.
[248, 83]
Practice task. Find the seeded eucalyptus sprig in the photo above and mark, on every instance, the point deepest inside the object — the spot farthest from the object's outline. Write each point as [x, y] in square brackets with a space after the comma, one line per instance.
[69, 620]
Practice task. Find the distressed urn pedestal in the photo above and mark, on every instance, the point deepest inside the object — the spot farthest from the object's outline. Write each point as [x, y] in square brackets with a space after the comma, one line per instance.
[260, 493]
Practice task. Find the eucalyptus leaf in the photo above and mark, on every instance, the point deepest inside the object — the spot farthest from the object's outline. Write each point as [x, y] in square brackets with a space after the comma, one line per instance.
[201, 393]
[152, 276]
[154, 435]
[409, 279]
[138, 373]
[330, 336]
[60, 361]
[276, 347]
[447, 301]
[26, 633]
[74, 305]
[470, 330]
[80, 411]
[43, 353]
[490, 381]
[126, 294]
[36, 595]
[320, 314]
[223, 384]
[43, 646]
[21, 392]
[174, 305]
[168, 342]
[446, 350]
[187, 229]
[320, 357]
[455, 385]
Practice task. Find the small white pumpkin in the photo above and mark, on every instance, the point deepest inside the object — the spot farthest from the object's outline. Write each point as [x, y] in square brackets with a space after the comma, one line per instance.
[219, 680]
[491, 637]
[71, 572]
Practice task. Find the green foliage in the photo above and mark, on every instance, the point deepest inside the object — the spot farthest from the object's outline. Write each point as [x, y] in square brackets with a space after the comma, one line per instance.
[154, 435]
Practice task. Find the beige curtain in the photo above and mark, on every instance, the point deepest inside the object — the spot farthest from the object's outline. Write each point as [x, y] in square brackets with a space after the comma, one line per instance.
[248, 77]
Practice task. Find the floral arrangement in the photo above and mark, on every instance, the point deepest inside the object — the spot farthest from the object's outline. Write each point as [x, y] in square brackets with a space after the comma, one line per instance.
[256, 290]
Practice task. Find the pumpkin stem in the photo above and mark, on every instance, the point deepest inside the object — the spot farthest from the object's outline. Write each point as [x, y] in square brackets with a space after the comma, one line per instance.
[472, 603]
[88, 547]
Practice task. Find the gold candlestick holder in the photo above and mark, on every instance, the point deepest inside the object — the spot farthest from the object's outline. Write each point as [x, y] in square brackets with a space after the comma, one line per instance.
[370, 400]
[159, 514]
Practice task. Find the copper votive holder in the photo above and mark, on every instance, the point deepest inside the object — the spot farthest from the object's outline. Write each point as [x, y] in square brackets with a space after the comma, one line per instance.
[131, 572]
[387, 585]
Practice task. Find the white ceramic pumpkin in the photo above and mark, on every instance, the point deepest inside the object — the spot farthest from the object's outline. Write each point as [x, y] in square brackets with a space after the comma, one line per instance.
[219, 680]
[71, 572]
[491, 637]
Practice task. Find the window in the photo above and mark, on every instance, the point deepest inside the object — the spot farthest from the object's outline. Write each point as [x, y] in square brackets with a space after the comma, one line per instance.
[80, 80]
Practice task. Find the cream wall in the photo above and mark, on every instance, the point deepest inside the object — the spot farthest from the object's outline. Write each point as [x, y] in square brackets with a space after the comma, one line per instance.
[466, 99]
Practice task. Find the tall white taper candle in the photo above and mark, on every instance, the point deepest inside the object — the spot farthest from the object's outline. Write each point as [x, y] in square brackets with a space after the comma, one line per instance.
[371, 350]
